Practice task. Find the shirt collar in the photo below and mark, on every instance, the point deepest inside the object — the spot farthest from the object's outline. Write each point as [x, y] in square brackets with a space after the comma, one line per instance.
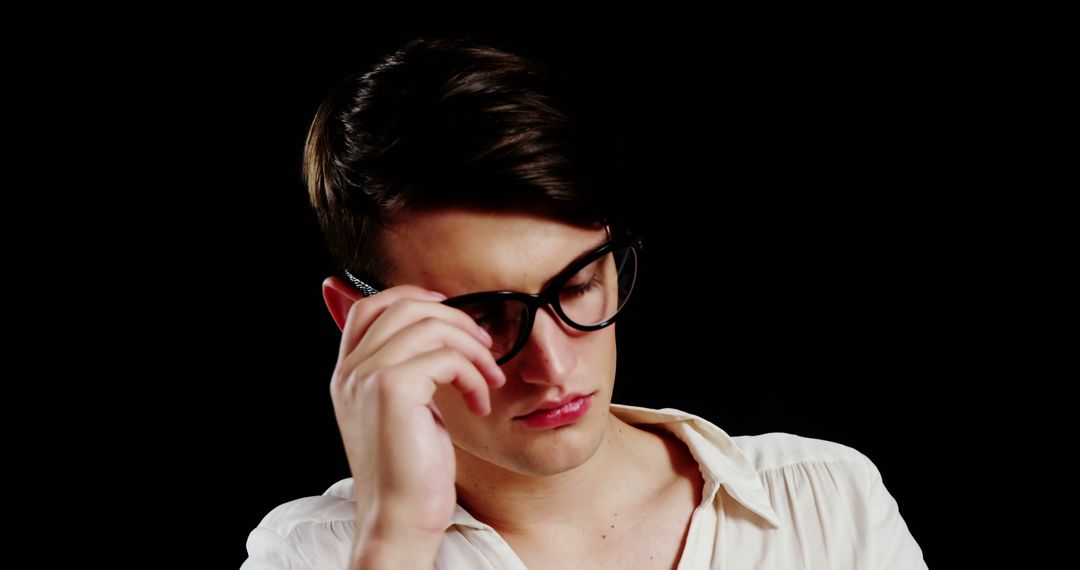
[721, 461]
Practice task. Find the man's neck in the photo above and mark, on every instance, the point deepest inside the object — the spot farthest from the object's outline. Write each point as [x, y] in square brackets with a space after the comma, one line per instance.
[616, 476]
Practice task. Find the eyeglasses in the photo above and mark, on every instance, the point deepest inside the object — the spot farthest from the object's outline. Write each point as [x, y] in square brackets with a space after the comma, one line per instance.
[588, 295]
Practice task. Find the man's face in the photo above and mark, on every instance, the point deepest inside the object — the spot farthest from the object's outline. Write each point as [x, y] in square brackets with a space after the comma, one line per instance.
[456, 252]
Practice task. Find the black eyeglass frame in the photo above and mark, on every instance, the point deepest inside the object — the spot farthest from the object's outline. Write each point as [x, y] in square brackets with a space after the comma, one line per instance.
[533, 302]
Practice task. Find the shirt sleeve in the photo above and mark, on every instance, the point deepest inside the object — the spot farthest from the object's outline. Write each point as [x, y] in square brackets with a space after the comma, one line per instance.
[893, 546]
[268, 551]
[310, 533]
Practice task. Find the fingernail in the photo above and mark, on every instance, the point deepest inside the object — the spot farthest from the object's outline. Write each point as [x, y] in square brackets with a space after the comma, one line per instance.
[483, 335]
[437, 295]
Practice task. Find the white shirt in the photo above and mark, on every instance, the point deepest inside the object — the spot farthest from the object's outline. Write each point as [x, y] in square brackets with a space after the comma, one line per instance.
[776, 501]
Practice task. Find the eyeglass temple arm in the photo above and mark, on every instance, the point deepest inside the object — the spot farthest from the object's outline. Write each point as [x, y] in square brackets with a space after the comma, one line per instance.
[364, 288]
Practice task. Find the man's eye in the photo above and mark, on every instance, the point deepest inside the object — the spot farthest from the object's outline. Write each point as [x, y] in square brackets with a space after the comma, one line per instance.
[578, 290]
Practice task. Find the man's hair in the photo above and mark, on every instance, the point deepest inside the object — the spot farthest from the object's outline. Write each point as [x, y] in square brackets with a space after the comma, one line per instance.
[452, 122]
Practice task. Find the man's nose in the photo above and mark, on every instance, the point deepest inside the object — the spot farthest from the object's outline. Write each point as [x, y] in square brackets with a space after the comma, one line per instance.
[548, 357]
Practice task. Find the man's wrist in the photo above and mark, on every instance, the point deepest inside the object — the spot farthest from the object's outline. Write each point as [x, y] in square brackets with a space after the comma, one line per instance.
[401, 549]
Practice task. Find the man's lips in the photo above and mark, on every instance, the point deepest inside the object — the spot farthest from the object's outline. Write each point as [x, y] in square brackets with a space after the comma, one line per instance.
[557, 413]
[553, 404]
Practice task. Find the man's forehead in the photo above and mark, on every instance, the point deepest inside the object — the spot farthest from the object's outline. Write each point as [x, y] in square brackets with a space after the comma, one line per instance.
[461, 251]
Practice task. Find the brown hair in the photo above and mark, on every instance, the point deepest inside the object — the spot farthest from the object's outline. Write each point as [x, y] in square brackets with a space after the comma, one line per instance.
[450, 122]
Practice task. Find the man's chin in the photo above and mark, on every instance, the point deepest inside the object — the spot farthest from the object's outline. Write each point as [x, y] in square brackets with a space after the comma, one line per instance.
[571, 449]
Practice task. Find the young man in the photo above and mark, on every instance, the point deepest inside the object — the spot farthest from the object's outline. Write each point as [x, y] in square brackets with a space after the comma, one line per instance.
[483, 271]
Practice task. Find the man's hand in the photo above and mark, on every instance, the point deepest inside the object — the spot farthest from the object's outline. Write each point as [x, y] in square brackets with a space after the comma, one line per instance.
[397, 347]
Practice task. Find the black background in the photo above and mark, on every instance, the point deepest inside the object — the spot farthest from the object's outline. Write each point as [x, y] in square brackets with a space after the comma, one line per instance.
[802, 271]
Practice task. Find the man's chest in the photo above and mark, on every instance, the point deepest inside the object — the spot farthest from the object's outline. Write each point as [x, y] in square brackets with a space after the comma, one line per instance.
[654, 538]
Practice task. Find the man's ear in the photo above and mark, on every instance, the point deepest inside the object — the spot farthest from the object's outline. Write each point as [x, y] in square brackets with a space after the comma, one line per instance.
[339, 297]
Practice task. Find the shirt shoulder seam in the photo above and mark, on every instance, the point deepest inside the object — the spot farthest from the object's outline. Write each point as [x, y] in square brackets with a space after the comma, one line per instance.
[294, 525]
[851, 460]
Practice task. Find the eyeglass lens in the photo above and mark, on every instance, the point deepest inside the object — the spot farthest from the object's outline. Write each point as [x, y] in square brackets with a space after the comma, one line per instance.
[592, 296]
